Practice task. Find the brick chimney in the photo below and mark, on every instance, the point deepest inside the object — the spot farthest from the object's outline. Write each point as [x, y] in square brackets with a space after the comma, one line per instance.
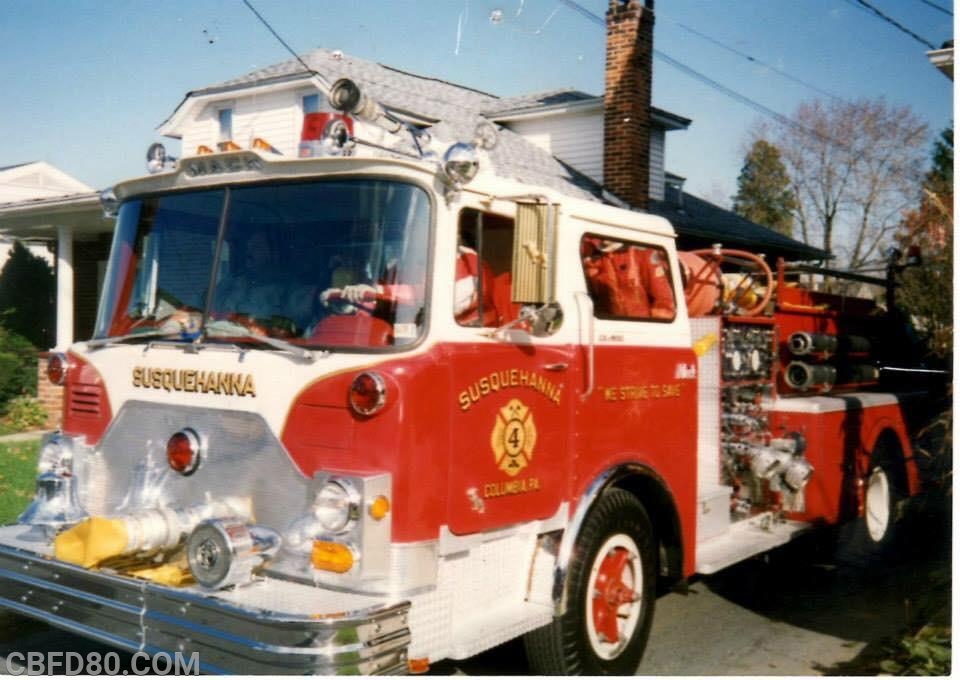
[626, 100]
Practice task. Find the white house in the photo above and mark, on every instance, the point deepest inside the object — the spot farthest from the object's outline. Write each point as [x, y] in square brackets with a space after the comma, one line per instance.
[607, 148]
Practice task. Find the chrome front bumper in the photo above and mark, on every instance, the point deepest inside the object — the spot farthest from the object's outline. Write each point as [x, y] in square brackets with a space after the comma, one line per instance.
[267, 627]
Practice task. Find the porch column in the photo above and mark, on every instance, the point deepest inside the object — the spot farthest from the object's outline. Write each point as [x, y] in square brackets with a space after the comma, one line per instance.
[64, 287]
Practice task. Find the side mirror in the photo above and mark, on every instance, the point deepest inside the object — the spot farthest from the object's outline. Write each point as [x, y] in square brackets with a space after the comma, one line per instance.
[544, 320]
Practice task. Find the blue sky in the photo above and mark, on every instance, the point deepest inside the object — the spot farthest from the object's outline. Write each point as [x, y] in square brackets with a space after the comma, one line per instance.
[86, 82]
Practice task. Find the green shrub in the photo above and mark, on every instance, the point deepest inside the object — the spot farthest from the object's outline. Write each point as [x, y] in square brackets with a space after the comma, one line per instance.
[24, 413]
[18, 366]
[926, 652]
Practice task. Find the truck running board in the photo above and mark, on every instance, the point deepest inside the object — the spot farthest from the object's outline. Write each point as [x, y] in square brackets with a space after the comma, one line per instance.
[745, 539]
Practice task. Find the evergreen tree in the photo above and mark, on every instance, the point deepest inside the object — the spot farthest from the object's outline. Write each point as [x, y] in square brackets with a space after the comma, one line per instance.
[763, 189]
[27, 289]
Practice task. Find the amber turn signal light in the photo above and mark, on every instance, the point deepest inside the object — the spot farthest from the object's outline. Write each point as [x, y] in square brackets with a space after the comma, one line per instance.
[330, 556]
[379, 508]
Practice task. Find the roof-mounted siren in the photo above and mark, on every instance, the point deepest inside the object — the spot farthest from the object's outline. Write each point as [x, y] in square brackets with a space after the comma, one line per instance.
[326, 132]
[345, 96]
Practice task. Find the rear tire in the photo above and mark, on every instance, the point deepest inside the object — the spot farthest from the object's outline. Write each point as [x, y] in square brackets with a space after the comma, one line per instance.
[612, 581]
[884, 494]
[877, 536]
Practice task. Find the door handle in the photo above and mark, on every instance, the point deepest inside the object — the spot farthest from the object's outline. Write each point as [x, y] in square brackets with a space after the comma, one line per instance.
[556, 367]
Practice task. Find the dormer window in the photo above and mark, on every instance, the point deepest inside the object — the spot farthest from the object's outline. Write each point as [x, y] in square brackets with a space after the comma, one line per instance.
[310, 103]
[225, 120]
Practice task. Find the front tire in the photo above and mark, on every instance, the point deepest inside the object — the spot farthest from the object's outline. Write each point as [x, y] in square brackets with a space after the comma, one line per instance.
[611, 596]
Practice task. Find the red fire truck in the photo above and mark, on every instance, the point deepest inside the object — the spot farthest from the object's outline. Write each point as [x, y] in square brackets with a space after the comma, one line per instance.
[368, 408]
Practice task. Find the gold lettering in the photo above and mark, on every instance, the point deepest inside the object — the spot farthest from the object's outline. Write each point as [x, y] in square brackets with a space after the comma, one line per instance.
[500, 380]
[212, 384]
[248, 387]
[188, 380]
[474, 390]
[225, 385]
[511, 487]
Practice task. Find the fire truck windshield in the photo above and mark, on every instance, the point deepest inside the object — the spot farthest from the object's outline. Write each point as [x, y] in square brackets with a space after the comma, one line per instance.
[325, 263]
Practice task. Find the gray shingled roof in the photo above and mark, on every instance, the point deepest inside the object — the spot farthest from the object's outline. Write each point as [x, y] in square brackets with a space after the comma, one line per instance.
[536, 100]
[700, 224]
[398, 90]
[456, 110]
[529, 103]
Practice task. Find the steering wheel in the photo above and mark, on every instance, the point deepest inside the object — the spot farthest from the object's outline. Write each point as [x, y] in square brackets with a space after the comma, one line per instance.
[755, 275]
[335, 295]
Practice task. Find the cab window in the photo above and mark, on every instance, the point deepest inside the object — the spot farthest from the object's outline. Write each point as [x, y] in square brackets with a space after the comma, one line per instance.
[483, 280]
[627, 280]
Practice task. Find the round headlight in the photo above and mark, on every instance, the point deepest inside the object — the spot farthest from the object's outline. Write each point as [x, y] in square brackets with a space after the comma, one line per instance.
[334, 507]
[183, 452]
[368, 393]
[58, 365]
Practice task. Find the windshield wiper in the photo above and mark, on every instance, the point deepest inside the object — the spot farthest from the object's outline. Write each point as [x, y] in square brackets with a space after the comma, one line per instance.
[237, 329]
[97, 343]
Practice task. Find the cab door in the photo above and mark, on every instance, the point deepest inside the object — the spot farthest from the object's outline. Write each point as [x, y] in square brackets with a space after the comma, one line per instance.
[512, 399]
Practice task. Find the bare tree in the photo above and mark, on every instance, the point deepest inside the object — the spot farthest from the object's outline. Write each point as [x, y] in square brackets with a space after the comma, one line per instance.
[854, 168]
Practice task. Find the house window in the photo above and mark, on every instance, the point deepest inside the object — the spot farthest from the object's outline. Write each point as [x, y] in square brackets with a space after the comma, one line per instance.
[627, 280]
[310, 103]
[225, 119]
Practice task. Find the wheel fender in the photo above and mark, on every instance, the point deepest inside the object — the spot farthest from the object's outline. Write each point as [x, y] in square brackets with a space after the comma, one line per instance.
[608, 479]
[890, 427]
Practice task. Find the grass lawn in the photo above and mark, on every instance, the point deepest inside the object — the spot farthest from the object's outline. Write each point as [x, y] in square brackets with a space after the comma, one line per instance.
[18, 472]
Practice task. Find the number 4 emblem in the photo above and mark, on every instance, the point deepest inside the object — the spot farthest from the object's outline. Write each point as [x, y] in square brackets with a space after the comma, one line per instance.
[514, 437]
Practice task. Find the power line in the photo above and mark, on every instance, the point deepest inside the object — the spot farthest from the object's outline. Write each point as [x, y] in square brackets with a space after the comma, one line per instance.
[306, 67]
[893, 22]
[743, 99]
[936, 6]
[577, 7]
[733, 94]
[752, 59]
